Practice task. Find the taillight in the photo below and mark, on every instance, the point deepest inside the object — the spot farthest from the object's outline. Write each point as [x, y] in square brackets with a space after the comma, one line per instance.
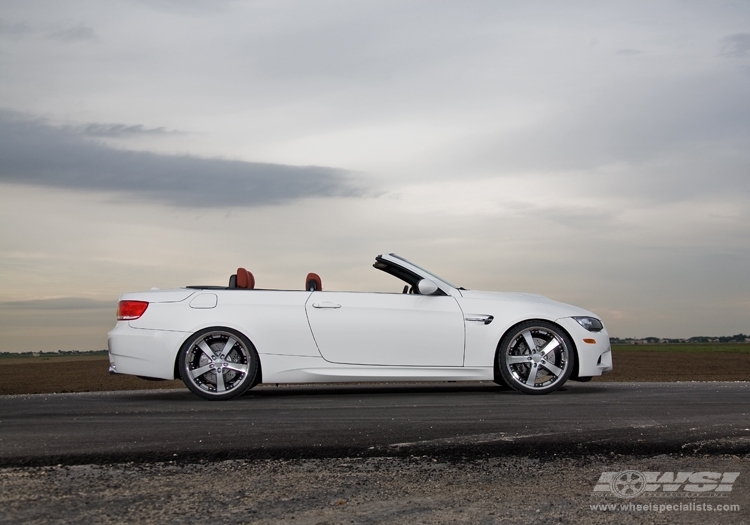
[129, 310]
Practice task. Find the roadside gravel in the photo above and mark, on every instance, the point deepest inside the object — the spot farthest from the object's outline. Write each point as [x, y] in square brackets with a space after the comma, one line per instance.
[358, 490]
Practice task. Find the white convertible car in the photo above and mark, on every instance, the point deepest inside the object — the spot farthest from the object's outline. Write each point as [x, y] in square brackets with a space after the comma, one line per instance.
[223, 340]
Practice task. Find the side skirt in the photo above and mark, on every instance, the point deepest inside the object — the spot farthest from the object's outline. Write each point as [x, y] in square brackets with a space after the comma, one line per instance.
[285, 369]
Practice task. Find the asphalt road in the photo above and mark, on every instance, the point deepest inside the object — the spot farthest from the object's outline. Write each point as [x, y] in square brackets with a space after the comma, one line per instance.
[449, 419]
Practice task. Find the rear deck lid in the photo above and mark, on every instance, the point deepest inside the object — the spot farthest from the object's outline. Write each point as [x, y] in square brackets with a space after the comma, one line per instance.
[159, 296]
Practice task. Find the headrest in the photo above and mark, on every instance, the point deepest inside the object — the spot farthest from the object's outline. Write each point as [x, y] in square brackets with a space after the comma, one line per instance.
[245, 279]
[313, 283]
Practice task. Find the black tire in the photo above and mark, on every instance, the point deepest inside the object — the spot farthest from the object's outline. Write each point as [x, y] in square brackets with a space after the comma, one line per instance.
[498, 379]
[218, 348]
[538, 347]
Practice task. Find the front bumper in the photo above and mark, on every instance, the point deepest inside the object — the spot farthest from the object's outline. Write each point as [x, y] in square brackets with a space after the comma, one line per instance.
[594, 359]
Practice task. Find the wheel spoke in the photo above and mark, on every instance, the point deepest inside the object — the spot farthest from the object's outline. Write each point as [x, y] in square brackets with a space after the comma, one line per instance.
[546, 349]
[552, 368]
[227, 347]
[200, 371]
[237, 367]
[517, 359]
[203, 345]
[220, 381]
[531, 380]
[529, 340]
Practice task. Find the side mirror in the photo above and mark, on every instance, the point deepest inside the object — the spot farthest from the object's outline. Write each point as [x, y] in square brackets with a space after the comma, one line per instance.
[426, 287]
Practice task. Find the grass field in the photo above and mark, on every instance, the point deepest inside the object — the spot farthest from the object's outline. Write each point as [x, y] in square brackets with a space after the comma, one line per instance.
[739, 348]
[52, 358]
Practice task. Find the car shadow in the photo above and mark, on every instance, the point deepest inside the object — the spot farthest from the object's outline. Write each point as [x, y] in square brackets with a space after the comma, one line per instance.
[356, 389]
[327, 389]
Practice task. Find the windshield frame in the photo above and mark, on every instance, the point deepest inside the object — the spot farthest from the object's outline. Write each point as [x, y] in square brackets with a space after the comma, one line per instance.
[432, 275]
[396, 261]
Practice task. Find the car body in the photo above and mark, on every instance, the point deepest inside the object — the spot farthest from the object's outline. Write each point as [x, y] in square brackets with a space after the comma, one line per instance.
[430, 331]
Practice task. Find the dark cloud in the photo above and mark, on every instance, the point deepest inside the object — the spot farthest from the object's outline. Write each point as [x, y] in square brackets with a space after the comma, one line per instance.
[735, 46]
[188, 7]
[59, 303]
[13, 29]
[79, 33]
[35, 153]
[120, 130]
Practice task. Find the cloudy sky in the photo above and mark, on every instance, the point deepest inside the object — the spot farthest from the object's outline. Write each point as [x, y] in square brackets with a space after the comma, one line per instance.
[594, 152]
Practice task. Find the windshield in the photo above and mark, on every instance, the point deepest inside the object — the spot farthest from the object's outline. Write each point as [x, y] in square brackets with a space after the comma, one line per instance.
[422, 269]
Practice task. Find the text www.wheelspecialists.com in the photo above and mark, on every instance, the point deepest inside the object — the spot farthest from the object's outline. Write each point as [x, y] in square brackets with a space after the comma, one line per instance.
[665, 507]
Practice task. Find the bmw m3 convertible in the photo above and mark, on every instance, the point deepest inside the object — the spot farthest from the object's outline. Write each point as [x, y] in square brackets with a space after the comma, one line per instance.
[223, 340]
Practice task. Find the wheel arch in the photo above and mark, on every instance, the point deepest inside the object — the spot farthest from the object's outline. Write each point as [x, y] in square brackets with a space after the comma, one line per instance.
[496, 365]
[259, 374]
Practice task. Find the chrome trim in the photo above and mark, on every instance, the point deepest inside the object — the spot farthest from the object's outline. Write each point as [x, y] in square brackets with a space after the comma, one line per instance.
[486, 319]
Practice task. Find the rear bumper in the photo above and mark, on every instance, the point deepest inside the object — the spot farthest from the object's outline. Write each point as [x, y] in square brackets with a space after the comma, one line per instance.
[141, 352]
[594, 359]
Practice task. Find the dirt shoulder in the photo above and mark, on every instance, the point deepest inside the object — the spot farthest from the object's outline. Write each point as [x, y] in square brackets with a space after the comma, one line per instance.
[81, 373]
[46, 375]
[649, 365]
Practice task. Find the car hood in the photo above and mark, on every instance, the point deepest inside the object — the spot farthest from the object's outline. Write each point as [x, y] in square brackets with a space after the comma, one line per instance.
[563, 309]
[506, 296]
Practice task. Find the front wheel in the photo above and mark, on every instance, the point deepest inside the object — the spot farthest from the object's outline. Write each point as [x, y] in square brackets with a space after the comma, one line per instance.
[536, 357]
[218, 363]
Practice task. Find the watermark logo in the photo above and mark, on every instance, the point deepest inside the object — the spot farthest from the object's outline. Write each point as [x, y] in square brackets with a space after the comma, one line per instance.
[632, 483]
[628, 484]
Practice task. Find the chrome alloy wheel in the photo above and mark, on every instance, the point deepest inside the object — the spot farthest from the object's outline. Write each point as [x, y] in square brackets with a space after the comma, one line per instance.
[218, 364]
[536, 357]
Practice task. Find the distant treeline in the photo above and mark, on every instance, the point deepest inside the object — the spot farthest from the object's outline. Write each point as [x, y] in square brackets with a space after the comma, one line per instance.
[739, 338]
[58, 352]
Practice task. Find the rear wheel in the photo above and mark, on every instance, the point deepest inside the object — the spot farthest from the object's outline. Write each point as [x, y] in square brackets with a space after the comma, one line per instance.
[218, 363]
[536, 357]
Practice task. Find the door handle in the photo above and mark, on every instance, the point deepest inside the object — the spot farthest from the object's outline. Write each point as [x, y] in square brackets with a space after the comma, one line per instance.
[326, 304]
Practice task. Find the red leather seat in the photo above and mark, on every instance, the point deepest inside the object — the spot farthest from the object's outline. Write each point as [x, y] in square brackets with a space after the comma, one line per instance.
[313, 282]
[245, 279]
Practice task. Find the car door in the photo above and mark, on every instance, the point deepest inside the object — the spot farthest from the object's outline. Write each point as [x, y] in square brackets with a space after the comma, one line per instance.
[387, 329]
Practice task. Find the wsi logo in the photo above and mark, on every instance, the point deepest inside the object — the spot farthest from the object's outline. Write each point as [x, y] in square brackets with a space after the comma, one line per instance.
[632, 483]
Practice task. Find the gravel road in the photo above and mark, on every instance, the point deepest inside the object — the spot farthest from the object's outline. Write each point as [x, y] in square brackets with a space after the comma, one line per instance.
[358, 490]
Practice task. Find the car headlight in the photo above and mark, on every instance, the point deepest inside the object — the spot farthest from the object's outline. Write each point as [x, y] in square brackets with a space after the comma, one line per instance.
[592, 324]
